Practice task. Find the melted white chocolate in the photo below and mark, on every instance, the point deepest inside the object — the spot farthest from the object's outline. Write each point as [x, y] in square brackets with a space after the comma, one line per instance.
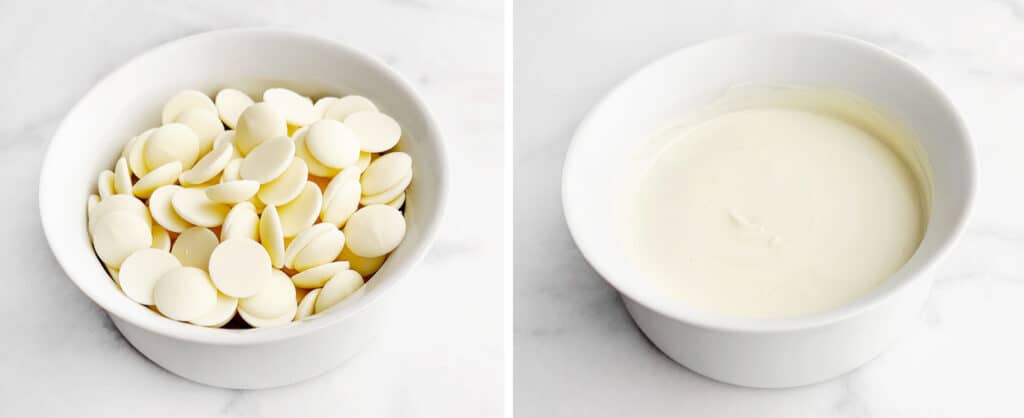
[776, 204]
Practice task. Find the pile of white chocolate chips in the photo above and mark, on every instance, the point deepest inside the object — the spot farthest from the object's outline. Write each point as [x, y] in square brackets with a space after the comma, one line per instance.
[275, 210]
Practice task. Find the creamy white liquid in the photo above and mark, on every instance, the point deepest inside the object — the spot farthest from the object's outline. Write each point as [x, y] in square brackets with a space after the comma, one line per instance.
[774, 212]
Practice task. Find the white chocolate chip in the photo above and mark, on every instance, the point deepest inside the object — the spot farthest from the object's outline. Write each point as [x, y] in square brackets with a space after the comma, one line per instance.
[287, 186]
[105, 184]
[240, 267]
[397, 202]
[194, 247]
[227, 137]
[193, 206]
[385, 172]
[332, 143]
[184, 294]
[314, 166]
[257, 322]
[365, 158]
[348, 105]
[118, 202]
[122, 177]
[344, 178]
[323, 249]
[338, 288]
[141, 270]
[232, 192]
[307, 305]
[366, 266]
[300, 213]
[209, 166]
[205, 123]
[275, 298]
[161, 239]
[268, 161]
[231, 171]
[128, 146]
[172, 142]
[162, 211]
[344, 202]
[118, 234]
[388, 195]
[185, 100]
[322, 104]
[375, 230]
[271, 235]
[259, 123]
[302, 240]
[163, 175]
[230, 105]
[296, 109]
[90, 206]
[221, 313]
[319, 275]
[136, 159]
[375, 131]
[241, 222]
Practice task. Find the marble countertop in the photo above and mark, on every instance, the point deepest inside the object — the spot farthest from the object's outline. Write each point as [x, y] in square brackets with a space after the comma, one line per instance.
[59, 353]
[577, 353]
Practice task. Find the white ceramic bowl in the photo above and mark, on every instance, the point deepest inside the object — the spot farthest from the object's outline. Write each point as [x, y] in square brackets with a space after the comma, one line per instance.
[768, 353]
[129, 100]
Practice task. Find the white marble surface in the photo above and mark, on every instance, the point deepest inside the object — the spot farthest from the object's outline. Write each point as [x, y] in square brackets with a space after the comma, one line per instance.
[576, 351]
[60, 355]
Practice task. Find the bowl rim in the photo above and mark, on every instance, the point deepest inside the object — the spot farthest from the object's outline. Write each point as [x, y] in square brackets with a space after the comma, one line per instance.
[860, 305]
[217, 336]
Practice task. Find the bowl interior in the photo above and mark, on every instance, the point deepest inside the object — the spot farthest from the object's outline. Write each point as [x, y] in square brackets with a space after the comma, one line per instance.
[129, 101]
[691, 78]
